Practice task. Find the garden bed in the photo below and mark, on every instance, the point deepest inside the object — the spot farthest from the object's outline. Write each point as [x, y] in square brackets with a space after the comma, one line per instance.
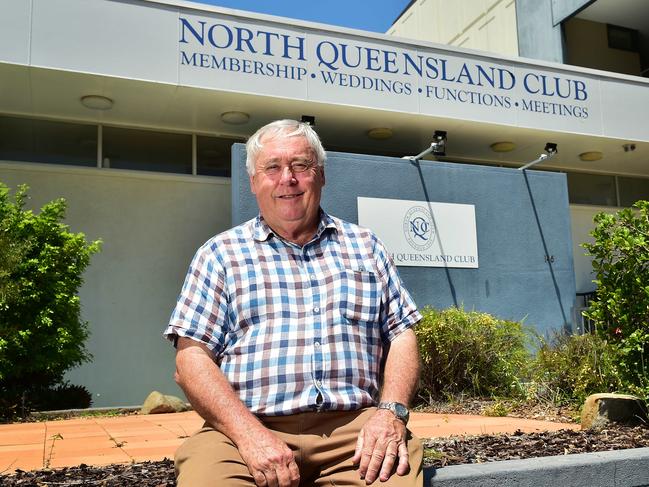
[439, 453]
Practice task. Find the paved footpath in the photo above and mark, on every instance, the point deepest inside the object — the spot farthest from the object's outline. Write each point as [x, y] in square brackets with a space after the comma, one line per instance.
[126, 439]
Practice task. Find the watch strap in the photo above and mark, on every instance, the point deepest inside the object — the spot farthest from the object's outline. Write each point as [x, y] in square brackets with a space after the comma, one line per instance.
[399, 410]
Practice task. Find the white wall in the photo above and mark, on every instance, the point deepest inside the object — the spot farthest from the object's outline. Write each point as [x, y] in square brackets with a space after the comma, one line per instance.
[151, 224]
[488, 25]
[582, 224]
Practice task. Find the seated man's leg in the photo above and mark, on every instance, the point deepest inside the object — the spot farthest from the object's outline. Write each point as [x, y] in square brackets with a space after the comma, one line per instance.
[331, 453]
[323, 443]
[209, 459]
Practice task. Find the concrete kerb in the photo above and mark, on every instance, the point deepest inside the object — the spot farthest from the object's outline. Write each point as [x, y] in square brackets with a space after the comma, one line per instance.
[620, 468]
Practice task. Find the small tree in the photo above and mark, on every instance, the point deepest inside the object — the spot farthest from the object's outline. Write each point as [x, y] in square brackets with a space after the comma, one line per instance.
[621, 307]
[41, 331]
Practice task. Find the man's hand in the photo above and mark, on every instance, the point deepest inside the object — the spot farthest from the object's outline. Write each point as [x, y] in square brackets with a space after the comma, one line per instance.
[380, 443]
[270, 461]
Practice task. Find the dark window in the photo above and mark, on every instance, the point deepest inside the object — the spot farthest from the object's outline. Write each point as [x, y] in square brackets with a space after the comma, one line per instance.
[632, 190]
[591, 189]
[146, 150]
[213, 155]
[622, 38]
[29, 140]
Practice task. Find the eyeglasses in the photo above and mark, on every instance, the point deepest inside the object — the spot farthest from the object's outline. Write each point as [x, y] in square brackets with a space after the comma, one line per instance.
[273, 169]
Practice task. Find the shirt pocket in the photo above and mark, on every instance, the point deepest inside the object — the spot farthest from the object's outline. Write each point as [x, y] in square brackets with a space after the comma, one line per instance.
[360, 295]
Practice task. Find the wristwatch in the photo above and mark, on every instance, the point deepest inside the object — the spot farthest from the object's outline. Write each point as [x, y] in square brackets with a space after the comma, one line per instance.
[398, 409]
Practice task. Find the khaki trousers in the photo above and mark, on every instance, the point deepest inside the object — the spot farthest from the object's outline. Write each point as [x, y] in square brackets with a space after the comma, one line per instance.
[323, 445]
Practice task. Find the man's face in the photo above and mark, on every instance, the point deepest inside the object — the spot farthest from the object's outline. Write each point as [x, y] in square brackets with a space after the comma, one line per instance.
[288, 199]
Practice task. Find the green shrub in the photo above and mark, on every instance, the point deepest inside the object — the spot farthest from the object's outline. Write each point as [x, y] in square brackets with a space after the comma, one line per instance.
[11, 254]
[41, 332]
[569, 368]
[470, 353]
[620, 309]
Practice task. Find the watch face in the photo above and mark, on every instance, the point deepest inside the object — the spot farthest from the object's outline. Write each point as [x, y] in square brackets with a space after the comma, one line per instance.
[401, 410]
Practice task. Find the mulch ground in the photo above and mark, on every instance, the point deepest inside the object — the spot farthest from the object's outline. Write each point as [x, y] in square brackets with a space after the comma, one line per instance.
[442, 452]
[145, 474]
[439, 453]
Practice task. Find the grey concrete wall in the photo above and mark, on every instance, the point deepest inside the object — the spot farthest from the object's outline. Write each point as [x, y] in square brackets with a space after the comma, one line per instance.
[563, 9]
[151, 225]
[520, 218]
[622, 468]
[539, 37]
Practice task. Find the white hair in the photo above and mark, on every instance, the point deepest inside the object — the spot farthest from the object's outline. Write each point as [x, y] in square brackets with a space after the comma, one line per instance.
[282, 129]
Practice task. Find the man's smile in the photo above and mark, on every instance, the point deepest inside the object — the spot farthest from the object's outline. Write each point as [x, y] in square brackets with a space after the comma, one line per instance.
[289, 196]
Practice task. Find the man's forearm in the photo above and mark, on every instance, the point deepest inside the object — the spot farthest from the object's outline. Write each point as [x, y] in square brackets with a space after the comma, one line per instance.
[210, 393]
[401, 373]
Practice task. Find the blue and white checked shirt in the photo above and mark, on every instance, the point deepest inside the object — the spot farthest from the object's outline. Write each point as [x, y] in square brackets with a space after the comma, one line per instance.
[295, 328]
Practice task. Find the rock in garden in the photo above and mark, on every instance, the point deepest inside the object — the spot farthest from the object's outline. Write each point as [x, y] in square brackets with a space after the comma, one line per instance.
[157, 403]
[600, 410]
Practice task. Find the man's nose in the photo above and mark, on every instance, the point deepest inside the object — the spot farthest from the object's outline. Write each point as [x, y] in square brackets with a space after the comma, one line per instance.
[287, 175]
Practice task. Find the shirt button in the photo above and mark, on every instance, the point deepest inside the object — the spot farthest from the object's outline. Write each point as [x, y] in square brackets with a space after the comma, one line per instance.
[317, 344]
[318, 383]
[313, 277]
[316, 310]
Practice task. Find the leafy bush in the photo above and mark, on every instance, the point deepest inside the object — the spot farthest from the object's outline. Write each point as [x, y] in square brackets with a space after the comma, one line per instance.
[11, 253]
[41, 332]
[569, 368]
[620, 309]
[470, 353]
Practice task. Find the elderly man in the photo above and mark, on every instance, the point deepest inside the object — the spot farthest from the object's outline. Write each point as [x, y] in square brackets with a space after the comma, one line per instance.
[294, 339]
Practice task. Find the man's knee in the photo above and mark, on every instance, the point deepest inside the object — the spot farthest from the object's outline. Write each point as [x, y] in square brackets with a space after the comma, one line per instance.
[209, 459]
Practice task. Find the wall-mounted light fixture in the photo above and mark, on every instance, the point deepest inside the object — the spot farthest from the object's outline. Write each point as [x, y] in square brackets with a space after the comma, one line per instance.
[437, 147]
[97, 102]
[235, 118]
[439, 143]
[550, 151]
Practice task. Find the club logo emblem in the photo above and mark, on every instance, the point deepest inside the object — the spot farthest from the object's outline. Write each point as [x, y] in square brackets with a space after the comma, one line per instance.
[418, 228]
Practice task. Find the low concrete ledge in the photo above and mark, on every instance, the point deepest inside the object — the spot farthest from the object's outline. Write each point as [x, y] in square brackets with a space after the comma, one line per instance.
[619, 468]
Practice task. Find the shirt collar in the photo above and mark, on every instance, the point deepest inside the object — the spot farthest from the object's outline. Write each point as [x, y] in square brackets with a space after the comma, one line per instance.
[262, 232]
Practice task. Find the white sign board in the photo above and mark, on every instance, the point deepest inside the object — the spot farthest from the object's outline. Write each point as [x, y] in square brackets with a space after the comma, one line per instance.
[422, 233]
[220, 50]
[276, 60]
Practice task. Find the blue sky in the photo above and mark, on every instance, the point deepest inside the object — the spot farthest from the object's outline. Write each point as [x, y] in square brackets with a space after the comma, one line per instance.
[372, 15]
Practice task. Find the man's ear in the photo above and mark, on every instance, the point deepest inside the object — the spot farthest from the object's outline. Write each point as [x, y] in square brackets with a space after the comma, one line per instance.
[252, 184]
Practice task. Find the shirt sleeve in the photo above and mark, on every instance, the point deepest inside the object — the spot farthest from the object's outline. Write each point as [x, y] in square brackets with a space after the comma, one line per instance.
[201, 310]
[398, 309]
